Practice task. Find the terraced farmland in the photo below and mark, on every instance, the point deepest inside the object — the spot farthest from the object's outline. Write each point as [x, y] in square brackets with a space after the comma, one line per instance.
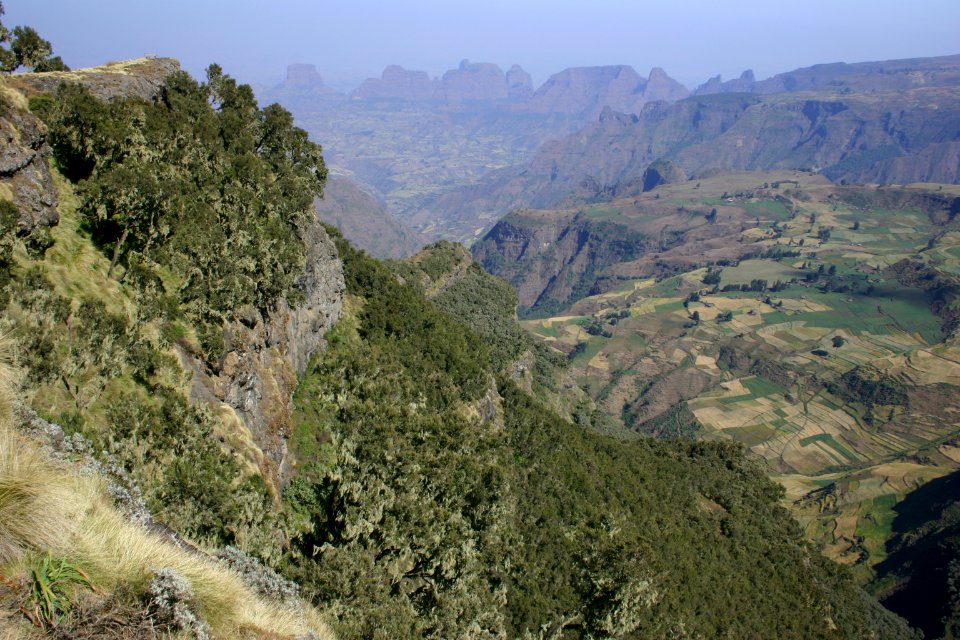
[826, 363]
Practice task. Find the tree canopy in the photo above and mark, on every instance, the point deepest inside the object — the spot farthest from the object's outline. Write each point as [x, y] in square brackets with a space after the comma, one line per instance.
[23, 47]
[202, 185]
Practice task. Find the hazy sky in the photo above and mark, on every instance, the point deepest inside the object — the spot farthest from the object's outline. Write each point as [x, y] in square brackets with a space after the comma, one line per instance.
[349, 40]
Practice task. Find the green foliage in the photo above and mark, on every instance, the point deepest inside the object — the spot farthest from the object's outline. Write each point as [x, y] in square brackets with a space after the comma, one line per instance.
[416, 518]
[869, 387]
[486, 304]
[187, 481]
[166, 445]
[23, 47]
[438, 352]
[51, 582]
[9, 216]
[215, 194]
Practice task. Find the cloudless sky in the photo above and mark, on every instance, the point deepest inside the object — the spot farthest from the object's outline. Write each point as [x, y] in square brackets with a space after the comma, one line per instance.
[349, 40]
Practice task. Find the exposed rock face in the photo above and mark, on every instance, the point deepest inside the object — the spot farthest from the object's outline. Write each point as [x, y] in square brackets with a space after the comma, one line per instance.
[303, 75]
[744, 84]
[554, 257]
[473, 82]
[141, 78]
[903, 138]
[584, 89]
[266, 354]
[660, 86]
[588, 90]
[662, 172]
[519, 83]
[24, 175]
[397, 83]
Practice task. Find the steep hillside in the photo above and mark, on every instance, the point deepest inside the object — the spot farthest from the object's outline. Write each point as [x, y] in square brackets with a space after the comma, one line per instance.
[892, 137]
[469, 496]
[416, 491]
[364, 220]
[108, 328]
[840, 77]
[813, 323]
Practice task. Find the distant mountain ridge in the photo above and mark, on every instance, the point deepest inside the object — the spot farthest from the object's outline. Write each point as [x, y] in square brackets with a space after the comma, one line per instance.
[451, 155]
[888, 75]
[573, 91]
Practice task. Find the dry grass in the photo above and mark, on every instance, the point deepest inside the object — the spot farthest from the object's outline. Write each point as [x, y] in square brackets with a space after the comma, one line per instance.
[46, 507]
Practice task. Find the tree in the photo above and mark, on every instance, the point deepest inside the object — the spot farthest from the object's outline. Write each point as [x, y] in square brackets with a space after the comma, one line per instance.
[838, 341]
[29, 49]
[26, 49]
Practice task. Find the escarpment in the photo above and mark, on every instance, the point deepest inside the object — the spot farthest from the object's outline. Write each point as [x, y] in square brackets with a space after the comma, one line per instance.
[268, 352]
[25, 178]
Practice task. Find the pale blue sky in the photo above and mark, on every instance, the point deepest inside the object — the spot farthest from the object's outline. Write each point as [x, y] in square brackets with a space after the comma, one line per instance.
[349, 40]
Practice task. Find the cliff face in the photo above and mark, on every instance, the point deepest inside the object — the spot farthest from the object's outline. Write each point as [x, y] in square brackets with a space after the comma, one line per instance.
[266, 355]
[897, 137]
[588, 90]
[553, 258]
[397, 83]
[24, 175]
[141, 78]
[473, 82]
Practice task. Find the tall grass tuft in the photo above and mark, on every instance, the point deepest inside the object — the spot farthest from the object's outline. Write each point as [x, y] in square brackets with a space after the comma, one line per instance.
[46, 508]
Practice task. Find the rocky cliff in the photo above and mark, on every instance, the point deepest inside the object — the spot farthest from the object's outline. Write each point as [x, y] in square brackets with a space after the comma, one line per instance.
[141, 78]
[397, 83]
[553, 258]
[588, 90]
[473, 82]
[268, 353]
[25, 178]
[893, 137]
[519, 83]
[252, 385]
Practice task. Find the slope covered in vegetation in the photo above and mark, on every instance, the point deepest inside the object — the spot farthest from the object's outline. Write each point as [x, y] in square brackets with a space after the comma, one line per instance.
[426, 494]
[438, 500]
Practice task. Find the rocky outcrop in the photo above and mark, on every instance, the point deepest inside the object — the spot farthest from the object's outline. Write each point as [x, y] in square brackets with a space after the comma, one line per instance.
[141, 78]
[303, 75]
[660, 86]
[553, 258]
[662, 172]
[744, 84]
[588, 90]
[473, 82]
[519, 83]
[266, 354]
[397, 83]
[585, 89]
[24, 175]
